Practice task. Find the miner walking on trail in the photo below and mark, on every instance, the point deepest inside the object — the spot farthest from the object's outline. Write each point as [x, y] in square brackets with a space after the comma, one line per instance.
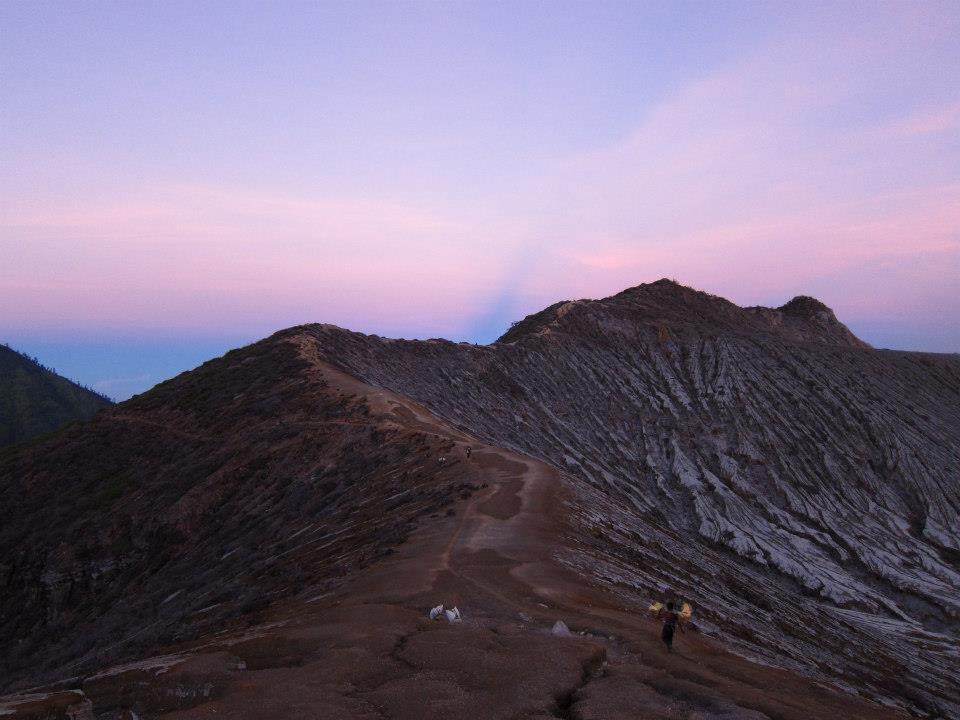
[670, 621]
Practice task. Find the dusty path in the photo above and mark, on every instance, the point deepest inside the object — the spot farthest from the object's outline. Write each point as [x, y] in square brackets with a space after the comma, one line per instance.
[367, 651]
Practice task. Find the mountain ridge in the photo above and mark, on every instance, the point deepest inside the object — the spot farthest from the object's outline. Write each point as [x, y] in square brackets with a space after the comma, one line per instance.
[666, 302]
[801, 494]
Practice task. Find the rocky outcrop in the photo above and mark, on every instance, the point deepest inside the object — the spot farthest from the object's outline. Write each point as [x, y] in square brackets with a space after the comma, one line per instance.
[665, 303]
[62, 705]
[806, 319]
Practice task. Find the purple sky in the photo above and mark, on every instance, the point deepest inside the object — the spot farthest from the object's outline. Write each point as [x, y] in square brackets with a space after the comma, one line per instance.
[179, 178]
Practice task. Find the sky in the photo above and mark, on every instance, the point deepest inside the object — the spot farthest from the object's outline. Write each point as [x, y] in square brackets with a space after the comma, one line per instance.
[180, 178]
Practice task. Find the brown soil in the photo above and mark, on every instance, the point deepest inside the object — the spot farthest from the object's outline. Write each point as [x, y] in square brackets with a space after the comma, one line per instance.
[368, 650]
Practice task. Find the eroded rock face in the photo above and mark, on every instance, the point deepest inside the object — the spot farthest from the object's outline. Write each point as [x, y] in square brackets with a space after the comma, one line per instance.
[65, 705]
[805, 495]
[806, 319]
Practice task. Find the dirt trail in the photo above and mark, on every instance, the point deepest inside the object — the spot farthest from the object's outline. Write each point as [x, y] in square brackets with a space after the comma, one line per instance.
[370, 652]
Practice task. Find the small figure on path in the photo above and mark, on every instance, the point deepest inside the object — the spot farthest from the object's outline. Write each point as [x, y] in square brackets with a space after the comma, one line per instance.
[469, 451]
[670, 619]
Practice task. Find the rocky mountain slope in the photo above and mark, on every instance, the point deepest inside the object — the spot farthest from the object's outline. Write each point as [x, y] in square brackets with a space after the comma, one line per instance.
[191, 507]
[35, 400]
[798, 487]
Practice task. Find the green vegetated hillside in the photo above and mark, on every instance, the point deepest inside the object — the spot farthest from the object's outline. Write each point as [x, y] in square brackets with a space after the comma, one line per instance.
[35, 400]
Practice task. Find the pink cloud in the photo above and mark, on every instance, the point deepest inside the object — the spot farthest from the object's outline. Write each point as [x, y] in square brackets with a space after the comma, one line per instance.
[744, 183]
[195, 256]
[924, 122]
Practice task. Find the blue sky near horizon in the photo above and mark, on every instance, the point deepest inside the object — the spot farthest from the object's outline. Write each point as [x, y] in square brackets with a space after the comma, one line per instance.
[180, 178]
[123, 366]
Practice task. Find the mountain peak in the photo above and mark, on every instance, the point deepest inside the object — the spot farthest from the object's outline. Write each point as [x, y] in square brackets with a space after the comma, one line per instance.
[804, 306]
[668, 303]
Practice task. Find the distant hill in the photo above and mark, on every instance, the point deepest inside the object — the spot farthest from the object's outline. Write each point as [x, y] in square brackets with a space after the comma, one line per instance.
[35, 400]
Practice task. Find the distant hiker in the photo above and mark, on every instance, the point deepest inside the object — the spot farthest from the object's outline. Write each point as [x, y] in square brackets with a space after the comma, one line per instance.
[670, 620]
[469, 451]
[442, 459]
